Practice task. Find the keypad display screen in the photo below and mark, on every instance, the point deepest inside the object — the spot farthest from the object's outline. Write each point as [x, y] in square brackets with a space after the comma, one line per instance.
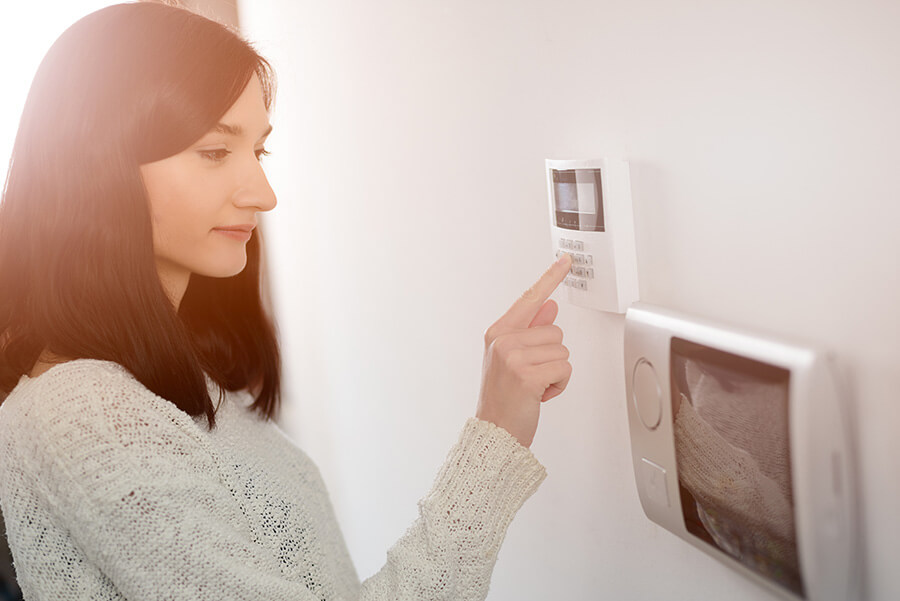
[733, 455]
[578, 199]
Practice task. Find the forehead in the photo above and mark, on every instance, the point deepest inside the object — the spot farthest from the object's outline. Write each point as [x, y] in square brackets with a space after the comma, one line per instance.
[249, 109]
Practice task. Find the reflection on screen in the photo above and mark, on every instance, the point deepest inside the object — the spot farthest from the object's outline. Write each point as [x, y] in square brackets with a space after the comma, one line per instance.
[733, 454]
[566, 194]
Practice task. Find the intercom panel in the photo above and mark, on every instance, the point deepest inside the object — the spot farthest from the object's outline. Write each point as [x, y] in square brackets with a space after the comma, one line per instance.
[741, 445]
[591, 219]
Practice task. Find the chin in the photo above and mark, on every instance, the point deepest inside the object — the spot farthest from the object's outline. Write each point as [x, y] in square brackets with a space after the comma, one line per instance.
[232, 272]
[224, 271]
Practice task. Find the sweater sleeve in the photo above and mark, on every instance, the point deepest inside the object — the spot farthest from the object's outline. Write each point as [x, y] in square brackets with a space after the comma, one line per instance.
[450, 550]
[137, 491]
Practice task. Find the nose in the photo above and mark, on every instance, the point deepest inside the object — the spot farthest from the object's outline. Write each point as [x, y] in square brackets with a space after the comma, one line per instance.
[256, 191]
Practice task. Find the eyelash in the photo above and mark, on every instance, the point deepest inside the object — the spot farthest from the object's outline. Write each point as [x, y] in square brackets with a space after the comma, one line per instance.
[220, 154]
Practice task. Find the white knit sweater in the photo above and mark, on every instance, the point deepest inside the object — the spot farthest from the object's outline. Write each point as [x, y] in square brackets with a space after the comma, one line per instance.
[111, 492]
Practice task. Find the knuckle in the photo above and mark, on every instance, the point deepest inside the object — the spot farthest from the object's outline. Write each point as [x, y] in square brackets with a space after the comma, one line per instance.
[556, 332]
[501, 345]
[490, 334]
[496, 345]
[513, 357]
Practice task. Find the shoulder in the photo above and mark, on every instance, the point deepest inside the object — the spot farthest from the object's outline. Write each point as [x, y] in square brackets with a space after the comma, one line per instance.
[91, 425]
[71, 385]
[79, 369]
[86, 395]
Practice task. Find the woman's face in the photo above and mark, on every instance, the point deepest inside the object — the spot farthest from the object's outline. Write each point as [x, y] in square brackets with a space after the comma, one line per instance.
[204, 200]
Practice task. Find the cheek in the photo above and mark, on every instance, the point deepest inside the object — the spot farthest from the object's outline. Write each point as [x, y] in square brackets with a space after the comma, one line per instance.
[169, 216]
[180, 209]
[186, 203]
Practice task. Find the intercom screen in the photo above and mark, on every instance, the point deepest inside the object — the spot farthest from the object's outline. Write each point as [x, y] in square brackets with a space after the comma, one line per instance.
[578, 195]
[733, 457]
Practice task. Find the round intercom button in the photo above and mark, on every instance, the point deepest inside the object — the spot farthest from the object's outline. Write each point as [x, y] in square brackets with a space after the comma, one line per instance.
[646, 394]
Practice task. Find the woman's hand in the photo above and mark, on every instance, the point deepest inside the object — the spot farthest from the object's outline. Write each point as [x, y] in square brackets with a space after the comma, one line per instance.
[525, 362]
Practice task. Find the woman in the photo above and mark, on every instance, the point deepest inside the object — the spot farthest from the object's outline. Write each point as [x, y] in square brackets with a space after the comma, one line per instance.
[141, 371]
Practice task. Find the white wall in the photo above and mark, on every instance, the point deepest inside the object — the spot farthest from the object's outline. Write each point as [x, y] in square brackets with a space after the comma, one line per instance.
[409, 145]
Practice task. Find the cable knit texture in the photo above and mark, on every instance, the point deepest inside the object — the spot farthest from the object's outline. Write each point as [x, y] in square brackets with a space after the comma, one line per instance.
[732, 455]
[111, 492]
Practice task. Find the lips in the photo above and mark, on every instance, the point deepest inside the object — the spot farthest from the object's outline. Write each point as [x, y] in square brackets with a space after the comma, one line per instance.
[241, 233]
[247, 227]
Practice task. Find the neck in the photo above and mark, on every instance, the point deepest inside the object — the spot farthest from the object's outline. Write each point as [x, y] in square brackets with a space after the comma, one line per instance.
[174, 282]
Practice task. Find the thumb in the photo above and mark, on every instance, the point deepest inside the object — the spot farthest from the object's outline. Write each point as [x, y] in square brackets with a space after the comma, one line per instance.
[546, 314]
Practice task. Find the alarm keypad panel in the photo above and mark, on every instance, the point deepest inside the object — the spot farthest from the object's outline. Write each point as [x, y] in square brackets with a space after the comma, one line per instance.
[591, 220]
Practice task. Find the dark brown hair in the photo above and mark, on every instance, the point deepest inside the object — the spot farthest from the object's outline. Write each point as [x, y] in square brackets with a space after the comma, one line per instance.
[127, 85]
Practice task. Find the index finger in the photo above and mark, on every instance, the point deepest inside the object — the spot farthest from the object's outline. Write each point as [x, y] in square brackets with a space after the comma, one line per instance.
[520, 314]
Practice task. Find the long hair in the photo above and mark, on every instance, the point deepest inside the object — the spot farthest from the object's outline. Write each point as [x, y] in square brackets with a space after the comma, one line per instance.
[127, 85]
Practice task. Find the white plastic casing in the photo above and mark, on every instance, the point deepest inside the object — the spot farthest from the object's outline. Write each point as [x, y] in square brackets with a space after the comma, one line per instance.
[612, 256]
[820, 446]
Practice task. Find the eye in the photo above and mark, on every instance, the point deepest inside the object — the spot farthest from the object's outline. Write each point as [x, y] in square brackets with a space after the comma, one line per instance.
[261, 152]
[216, 155]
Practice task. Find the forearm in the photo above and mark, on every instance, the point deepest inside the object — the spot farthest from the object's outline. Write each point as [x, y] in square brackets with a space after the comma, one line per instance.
[450, 550]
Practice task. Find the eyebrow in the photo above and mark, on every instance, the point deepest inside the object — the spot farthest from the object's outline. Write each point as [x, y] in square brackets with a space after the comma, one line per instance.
[236, 130]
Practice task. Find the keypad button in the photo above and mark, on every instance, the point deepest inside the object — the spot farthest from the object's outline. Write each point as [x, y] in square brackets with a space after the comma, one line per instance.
[579, 245]
[581, 285]
[588, 259]
[589, 273]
